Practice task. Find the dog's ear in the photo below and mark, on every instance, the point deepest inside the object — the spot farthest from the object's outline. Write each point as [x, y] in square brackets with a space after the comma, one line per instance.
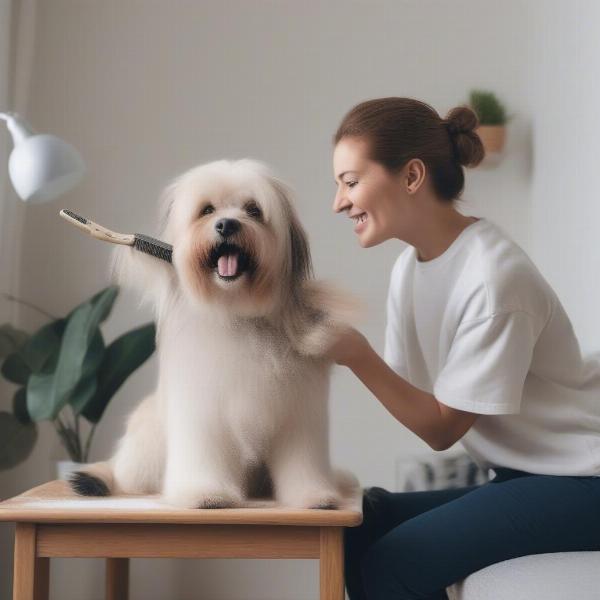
[300, 251]
[301, 262]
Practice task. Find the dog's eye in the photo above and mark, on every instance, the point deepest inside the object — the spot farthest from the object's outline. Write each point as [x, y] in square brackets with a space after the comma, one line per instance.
[253, 210]
[209, 208]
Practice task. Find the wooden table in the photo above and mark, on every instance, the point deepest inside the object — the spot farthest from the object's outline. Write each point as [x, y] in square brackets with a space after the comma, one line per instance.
[52, 521]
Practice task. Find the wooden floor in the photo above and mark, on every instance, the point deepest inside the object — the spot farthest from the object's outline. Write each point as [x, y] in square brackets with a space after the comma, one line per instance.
[52, 521]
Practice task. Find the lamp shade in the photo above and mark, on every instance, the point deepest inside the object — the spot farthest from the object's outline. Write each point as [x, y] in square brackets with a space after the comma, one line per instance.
[41, 166]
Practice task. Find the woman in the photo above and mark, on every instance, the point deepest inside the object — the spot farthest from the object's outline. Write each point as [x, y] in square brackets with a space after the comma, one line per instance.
[478, 348]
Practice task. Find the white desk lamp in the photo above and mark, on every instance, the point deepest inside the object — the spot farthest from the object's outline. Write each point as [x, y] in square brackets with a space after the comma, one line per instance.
[41, 166]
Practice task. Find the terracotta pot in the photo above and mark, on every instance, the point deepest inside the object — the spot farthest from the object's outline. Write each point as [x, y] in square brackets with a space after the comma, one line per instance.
[492, 137]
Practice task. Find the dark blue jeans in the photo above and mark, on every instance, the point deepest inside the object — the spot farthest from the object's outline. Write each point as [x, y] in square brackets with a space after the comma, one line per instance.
[415, 544]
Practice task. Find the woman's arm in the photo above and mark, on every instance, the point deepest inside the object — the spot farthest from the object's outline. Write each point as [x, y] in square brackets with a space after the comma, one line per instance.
[437, 424]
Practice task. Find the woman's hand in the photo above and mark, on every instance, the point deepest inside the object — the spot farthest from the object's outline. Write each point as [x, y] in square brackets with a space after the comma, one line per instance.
[348, 348]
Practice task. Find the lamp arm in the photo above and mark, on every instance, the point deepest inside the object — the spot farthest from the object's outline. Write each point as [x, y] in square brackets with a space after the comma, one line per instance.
[18, 127]
[41, 166]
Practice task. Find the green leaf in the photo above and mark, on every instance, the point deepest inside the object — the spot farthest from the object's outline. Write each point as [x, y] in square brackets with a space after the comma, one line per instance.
[15, 369]
[40, 405]
[84, 392]
[489, 110]
[17, 442]
[121, 358]
[20, 406]
[11, 339]
[104, 299]
[48, 393]
[38, 353]
[41, 350]
[81, 351]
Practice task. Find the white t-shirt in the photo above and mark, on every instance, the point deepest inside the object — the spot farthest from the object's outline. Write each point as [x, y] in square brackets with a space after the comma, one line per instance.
[482, 330]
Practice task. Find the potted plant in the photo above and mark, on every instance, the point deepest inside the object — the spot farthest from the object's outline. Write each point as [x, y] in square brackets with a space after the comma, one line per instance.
[492, 120]
[65, 367]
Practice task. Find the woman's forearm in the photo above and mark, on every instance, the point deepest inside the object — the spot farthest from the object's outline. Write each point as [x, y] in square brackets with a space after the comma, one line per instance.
[416, 409]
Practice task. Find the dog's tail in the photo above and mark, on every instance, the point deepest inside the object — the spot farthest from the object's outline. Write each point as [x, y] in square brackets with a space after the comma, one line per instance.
[95, 479]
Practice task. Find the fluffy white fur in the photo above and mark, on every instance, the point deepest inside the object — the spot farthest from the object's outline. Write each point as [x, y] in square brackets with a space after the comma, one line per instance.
[241, 406]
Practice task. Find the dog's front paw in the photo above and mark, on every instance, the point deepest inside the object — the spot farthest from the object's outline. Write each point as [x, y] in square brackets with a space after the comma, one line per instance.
[327, 503]
[217, 500]
[203, 498]
[317, 499]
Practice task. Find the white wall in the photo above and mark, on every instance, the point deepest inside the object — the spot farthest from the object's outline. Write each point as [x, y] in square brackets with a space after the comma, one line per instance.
[6, 310]
[6, 198]
[565, 193]
[148, 89]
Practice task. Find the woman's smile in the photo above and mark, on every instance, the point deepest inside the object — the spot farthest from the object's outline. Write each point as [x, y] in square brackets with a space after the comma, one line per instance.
[360, 221]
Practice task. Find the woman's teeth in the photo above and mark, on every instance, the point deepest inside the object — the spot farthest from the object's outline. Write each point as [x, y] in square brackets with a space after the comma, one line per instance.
[360, 218]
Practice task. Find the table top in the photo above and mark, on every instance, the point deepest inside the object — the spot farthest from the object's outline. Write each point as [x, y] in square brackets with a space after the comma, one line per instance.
[56, 502]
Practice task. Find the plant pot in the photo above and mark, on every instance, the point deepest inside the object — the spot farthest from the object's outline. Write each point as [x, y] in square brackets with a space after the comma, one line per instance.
[65, 467]
[492, 137]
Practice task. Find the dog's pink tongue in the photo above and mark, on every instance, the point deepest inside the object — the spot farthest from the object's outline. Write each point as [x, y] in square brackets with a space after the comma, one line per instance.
[228, 265]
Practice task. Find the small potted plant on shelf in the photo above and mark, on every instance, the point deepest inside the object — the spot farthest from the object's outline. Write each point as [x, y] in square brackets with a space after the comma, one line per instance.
[492, 120]
[65, 367]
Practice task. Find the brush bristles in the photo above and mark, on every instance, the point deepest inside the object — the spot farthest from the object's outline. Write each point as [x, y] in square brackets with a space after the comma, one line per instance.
[153, 247]
[75, 216]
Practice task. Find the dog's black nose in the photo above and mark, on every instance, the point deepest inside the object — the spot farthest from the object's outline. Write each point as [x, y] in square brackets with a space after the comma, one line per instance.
[227, 227]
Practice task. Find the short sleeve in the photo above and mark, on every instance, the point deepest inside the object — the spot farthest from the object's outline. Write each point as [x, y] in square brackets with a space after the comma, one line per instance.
[487, 364]
[393, 353]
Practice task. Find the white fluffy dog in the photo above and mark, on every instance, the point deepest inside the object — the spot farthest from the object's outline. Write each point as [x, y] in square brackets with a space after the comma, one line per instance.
[241, 406]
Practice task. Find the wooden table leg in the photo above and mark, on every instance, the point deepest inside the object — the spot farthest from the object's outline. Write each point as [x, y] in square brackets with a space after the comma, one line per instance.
[117, 578]
[31, 573]
[331, 563]
[41, 586]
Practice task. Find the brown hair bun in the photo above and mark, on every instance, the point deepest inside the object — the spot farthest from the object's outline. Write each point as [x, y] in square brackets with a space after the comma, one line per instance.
[461, 123]
[399, 129]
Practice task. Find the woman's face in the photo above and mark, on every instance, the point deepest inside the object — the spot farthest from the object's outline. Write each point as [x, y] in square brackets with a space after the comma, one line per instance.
[377, 201]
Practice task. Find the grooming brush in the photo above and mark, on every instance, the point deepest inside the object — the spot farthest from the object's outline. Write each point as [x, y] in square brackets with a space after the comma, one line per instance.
[141, 242]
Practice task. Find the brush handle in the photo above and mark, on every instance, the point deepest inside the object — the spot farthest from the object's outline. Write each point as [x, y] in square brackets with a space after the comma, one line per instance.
[97, 231]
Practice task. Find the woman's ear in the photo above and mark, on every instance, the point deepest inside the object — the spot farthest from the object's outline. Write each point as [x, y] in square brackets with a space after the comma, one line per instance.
[415, 174]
